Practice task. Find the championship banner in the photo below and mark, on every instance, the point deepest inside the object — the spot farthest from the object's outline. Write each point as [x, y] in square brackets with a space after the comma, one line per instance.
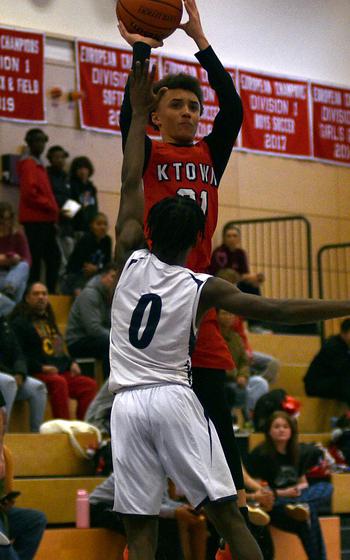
[331, 123]
[276, 114]
[102, 72]
[22, 76]
[172, 65]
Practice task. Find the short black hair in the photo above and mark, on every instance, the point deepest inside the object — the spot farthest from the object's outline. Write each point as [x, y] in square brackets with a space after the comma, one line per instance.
[54, 149]
[174, 225]
[181, 81]
[113, 265]
[228, 226]
[78, 163]
[345, 325]
[32, 132]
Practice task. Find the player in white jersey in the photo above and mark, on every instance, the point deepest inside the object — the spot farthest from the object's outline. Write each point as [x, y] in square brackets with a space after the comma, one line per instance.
[158, 426]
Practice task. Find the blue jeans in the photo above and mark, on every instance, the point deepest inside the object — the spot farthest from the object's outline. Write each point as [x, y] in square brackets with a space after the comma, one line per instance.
[265, 365]
[6, 305]
[16, 278]
[26, 528]
[310, 532]
[31, 390]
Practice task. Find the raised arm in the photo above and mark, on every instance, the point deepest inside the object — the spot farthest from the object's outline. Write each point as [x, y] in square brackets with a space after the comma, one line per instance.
[221, 294]
[141, 47]
[129, 225]
[228, 121]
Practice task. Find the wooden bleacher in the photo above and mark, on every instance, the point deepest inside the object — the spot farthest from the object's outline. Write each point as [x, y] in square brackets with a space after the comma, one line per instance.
[295, 352]
[48, 472]
[89, 544]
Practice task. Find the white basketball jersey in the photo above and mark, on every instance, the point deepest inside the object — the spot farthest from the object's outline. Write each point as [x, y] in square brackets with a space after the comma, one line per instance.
[153, 322]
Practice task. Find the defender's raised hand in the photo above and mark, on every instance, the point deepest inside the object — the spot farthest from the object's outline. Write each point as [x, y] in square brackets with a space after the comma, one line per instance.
[141, 87]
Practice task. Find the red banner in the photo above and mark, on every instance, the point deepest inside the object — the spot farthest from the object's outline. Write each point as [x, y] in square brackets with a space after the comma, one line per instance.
[172, 65]
[102, 72]
[331, 118]
[276, 114]
[21, 76]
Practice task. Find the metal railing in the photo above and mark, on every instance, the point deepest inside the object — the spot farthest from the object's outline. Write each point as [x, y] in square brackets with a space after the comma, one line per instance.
[281, 248]
[333, 269]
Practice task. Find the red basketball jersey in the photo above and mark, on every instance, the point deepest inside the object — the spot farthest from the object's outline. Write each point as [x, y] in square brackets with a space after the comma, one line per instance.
[189, 171]
[186, 171]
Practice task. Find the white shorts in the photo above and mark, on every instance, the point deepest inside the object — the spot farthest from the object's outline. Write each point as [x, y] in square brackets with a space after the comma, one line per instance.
[158, 432]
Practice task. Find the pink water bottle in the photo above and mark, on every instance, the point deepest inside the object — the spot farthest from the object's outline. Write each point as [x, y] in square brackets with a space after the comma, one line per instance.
[82, 509]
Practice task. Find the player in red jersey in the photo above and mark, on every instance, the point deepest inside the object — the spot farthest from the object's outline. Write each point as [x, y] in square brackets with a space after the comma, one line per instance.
[178, 165]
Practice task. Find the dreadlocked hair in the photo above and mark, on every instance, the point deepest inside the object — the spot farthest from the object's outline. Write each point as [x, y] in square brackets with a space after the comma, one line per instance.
[174, 225]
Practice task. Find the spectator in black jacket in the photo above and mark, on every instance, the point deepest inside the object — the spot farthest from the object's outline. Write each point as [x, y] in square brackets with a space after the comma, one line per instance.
[15, 384]
[84, 192]
[62, 192]
[35, 325]
[328, 375]
[92, 252]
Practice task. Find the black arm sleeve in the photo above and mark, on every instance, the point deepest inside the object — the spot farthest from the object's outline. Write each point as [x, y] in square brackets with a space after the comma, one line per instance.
[229, 119]
[141, 51]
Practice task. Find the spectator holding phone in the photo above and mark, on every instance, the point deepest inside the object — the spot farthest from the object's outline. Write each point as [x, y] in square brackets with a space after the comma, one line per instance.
[15, 258]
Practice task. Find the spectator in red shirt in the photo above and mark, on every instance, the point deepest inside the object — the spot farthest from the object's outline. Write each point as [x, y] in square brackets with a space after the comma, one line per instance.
[38, 210]
[15, 256]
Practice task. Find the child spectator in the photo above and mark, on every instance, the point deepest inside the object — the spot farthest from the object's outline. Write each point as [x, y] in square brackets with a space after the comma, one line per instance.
[91, 253]
[84, 192]
[15, 258]
[280, 462]
[62, 192]
[15, 384]
[242, 388]
[35, 325]
[38, 210]
[261, 364]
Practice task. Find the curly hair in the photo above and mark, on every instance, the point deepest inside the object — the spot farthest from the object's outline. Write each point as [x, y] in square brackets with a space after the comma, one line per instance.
[174, 225]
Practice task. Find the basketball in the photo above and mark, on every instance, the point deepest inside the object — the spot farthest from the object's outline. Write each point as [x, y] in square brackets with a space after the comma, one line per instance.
[150, 18]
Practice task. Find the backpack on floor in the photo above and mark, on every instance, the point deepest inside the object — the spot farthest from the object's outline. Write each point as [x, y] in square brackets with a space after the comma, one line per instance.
[274, 400]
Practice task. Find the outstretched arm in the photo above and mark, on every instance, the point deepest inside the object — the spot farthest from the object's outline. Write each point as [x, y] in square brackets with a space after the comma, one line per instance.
[129, 225]
[221, 294]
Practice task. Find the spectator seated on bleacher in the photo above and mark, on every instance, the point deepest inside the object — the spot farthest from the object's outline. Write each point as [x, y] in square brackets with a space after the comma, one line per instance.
[15, 260]
[15, 384]
[182, 532]
[38, 210]
[35, 325]
[21, 529]
[91, 253]
[281, 463]
[328, 375]
[84, 192]
[99, 411]
[231, 255]
[89, 319]
[62, 192]
[242, 388]
[261, 364]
